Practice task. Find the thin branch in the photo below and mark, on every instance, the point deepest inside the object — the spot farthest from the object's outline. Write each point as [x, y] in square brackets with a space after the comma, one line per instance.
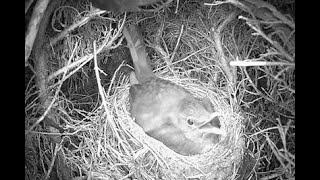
[177, 44]
[259, 63]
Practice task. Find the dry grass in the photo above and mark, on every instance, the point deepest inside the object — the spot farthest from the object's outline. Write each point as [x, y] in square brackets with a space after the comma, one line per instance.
[100, 139]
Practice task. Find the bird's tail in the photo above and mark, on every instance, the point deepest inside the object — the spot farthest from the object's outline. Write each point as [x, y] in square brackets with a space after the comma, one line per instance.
[141, 61]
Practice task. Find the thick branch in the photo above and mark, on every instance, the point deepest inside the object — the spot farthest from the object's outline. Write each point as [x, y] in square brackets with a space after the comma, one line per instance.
[217, 38]
[34, 24]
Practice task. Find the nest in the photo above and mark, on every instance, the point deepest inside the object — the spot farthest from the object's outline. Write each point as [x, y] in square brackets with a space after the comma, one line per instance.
[114, 134]
[96, 138]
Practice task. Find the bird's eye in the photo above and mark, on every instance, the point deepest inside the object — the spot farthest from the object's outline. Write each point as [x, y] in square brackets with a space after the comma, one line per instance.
[190, 122]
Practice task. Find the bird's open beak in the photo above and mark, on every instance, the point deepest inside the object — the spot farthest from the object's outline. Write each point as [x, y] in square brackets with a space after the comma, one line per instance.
[207, 126]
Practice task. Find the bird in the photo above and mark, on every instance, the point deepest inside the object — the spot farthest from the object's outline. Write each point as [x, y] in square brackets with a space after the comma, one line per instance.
[166, 111]
[121, 5]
